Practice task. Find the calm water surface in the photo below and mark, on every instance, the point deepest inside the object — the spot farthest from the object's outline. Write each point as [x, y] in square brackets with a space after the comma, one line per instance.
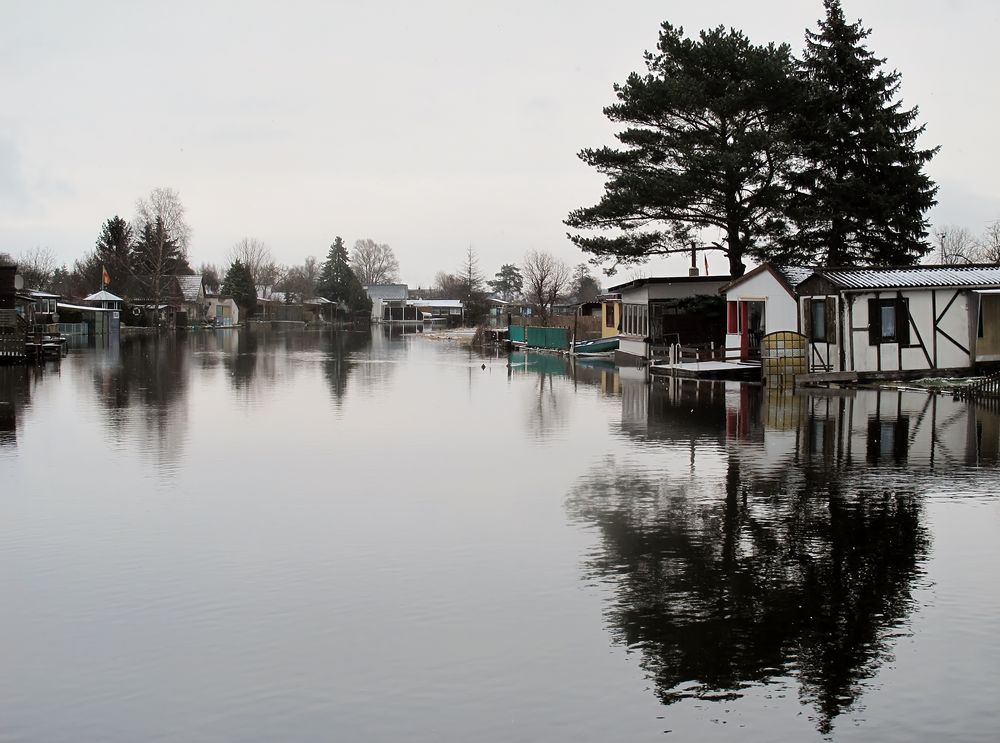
[317, 536]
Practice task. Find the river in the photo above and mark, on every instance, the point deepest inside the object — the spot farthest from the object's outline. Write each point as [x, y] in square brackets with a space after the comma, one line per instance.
[301, 536]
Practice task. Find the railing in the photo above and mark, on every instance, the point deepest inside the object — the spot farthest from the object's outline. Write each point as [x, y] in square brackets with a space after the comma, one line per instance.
[988, 386]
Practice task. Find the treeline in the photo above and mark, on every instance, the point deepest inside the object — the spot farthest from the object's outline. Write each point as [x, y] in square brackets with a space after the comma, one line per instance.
[762, 154]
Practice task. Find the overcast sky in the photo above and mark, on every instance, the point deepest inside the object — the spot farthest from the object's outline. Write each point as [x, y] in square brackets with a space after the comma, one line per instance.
[426, 125]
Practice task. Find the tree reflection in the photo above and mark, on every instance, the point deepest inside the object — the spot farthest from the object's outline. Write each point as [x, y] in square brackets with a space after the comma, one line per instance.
[725, 578]
[338, 362]
[141, 386]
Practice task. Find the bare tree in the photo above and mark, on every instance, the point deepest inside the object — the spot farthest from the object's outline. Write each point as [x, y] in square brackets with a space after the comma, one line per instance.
[546, 278]
[256, 256]
[374, 263]
[989, 245]
[36, 266]
[165, 204]
[955, 245]
[301, 281]
[210, 276]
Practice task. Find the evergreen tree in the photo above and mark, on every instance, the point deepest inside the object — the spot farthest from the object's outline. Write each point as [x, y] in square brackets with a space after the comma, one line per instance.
[337, 281]
[861, 195]
[471, 288]
[156, 258]
[508, 282]
[705, 147]
[114, 249]
[239, 285]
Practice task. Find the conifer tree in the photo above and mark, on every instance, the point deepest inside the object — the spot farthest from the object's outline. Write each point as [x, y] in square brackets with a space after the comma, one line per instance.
[239, 285]
[337, 281]
[114, 249]
[704, 147]
[861, 194]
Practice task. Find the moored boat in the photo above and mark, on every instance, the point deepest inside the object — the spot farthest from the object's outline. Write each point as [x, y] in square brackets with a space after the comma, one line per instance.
[596, 345]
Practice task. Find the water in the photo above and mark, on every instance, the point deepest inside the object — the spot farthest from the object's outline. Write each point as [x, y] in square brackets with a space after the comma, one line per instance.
[311, 536]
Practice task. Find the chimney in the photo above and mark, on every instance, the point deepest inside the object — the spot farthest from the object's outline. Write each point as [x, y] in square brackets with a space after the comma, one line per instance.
[693, 271]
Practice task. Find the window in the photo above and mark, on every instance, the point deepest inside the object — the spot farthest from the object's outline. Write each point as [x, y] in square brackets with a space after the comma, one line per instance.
[609, 315]
[818, 309]
[635, 319]
[821, 319]
[888, 321]
[733, 317]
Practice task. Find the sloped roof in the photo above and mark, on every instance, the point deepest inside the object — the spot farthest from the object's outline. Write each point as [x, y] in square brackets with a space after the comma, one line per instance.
[190, 287]
[102, 296]
[913, 277]
[388, 291]
[789, 276]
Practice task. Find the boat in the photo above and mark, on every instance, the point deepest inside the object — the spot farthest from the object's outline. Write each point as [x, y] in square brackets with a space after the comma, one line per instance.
[596, 346]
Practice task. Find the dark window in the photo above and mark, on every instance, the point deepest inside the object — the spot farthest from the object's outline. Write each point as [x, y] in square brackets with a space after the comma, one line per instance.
[609, 315]
[979, 332]
[818, 309]
[888, 321]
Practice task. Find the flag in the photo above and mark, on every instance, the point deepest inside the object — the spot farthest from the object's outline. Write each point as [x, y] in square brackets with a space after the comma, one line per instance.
[105, 279]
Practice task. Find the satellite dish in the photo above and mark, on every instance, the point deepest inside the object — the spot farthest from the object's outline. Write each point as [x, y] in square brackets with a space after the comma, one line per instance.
[18, 282]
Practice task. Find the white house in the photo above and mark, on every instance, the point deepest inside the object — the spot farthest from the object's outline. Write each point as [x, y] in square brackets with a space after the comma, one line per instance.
[761, 301]
[389, 302]
[901, 322]
[664, 310]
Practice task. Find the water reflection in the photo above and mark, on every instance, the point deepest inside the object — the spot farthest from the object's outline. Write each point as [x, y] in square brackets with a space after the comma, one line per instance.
[787, 545]
[16, 383]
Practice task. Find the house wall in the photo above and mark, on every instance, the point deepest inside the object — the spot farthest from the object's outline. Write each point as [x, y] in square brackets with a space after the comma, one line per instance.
[610, 329]
[780, 308]
[928, 348]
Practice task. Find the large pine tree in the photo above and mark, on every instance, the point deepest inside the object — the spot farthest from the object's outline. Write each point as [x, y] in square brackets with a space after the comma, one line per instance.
[862, 193]
[157, 256]
[704, 147]
[338, 282]
[114, 249]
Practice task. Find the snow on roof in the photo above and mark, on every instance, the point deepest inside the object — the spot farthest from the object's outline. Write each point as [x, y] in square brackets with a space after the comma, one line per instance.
[913, 277]
[456, 303]
[190, 287]
[103, 296]
[388, 291]
[795, 275]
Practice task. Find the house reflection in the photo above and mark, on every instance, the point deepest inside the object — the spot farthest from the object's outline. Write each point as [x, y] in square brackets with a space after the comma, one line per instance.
[16, 383]
[786, 550]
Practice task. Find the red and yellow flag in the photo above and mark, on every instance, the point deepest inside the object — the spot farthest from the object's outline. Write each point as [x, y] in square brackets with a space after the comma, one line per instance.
[105, 278]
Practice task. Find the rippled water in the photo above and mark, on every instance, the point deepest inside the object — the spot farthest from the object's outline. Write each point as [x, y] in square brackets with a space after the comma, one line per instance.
[310, 536]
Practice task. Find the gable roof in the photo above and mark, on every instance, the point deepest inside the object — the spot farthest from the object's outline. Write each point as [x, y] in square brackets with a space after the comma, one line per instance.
[788, 276]
[190, 287]
[912, 277]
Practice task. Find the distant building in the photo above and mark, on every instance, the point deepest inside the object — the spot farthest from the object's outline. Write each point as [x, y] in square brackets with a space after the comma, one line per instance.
[389, 303]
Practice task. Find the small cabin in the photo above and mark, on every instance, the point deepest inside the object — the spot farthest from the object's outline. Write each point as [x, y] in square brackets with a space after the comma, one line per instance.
[759, 302]
[669, 310]
[901, 322]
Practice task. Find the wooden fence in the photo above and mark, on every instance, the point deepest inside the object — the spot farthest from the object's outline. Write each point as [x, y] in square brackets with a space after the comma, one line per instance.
[988, 386]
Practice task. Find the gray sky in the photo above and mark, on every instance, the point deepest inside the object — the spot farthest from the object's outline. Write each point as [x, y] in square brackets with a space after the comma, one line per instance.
[427, 125]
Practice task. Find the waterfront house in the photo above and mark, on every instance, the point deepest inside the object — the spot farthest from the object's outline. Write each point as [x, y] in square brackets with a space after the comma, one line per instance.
[389, 303]
[193, 309]
[450, 311]
[665, 310]
[901, 322]
[761, 301]
[223, 312]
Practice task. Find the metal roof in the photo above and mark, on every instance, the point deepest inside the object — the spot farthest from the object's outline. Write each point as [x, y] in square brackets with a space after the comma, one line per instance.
[388, 291]
[915, 277]
[455, 303]
[686, 279]
[190, 287]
